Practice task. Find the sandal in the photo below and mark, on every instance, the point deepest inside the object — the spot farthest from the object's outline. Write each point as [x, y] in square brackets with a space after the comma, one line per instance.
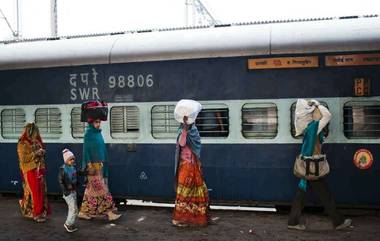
[179, 224]
[83, 216]
[40, 219]
[213, 220]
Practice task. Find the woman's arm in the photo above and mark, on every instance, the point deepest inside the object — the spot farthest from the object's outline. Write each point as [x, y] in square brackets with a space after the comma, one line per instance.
[326, 117]
[182, 138]
[85, 157]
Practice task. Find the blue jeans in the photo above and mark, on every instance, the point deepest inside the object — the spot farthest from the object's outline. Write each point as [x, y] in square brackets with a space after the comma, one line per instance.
[71, 201]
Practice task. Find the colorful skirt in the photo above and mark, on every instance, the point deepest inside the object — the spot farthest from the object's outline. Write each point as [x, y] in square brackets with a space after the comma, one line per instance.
[97, 200]
[34, 203]
[192, 201]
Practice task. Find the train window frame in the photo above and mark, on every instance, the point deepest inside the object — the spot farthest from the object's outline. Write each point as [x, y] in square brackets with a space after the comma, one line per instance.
[52, 123]
[170, 124]
[126, 133]
[225, 127]
[366, 103]
[292, 126]
[17, 127]
[78, 124]
[249, 107]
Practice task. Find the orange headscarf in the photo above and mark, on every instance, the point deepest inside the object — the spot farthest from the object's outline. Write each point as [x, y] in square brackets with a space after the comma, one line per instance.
[31, 134]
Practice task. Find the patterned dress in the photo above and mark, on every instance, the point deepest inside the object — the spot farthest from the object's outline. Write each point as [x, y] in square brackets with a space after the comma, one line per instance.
[192, 200]
[97, 200]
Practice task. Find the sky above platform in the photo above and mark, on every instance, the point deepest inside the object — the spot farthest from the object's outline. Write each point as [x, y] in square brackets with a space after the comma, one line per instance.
[97, 16]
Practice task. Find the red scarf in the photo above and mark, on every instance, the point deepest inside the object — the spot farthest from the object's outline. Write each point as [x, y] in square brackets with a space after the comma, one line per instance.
[25, 137]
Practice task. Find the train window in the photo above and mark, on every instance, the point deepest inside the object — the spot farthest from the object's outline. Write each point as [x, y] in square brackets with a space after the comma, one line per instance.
[12, 123]
[49, 122]
[77, 127]
[125, 122]
[259, 121]
[163, 123]
[361, 119]
[293, 128]
[213, 121]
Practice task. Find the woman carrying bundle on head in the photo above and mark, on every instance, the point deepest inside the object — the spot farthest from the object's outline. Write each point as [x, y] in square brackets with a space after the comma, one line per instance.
[97, 200]
[311, 165]
[192, 200]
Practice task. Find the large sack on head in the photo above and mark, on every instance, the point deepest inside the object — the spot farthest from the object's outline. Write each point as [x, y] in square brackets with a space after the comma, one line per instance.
[303, 115]
[189, 108]
[93, 110]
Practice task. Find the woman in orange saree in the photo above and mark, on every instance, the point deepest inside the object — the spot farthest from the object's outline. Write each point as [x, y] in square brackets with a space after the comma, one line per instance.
[192, 200]
[31, 154]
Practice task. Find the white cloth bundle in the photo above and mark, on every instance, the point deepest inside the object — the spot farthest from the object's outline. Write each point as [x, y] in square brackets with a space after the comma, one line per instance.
[189, 108]
[303, 115]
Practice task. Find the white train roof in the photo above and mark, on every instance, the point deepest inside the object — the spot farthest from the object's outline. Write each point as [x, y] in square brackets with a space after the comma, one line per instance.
[294, 37]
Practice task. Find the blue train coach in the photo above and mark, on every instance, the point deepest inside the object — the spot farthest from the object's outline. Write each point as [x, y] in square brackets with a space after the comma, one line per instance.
[247, 77]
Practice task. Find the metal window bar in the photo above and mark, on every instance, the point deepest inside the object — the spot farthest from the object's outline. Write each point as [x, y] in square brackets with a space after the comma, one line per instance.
[361, 120]
[124, 121]
[163, 123]
[12, 123]
[49, 122]
[213, 122]
[260, 122]
[77, 127]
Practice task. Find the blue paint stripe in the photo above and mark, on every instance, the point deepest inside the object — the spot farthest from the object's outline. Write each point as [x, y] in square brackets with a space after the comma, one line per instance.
[233, 172]
[201, 79]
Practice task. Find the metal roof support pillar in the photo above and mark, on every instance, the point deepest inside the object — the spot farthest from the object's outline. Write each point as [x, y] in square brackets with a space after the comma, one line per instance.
[53, 18]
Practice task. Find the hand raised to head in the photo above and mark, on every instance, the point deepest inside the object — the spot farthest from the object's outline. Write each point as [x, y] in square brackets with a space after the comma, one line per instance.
[186, 126]
[185, 118]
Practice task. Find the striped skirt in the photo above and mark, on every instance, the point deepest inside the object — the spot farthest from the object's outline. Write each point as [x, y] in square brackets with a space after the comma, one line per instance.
[192, 200]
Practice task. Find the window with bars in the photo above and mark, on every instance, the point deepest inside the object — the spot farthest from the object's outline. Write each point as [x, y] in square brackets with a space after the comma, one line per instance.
[259, 120]
[49, 122]
[163, 123]
[293, 128]
[361, 120]
[125, 122]
[213, 121]
[12, 123]
[77, 127]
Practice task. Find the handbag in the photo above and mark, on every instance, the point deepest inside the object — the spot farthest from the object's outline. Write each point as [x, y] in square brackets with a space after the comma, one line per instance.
[311, 167]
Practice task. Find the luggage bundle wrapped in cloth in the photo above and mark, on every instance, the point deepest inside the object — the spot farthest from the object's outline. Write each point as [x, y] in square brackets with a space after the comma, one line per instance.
[93, 110]
[189, 108]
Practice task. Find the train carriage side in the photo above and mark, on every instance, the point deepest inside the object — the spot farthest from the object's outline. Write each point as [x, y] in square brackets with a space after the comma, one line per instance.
[248, 139]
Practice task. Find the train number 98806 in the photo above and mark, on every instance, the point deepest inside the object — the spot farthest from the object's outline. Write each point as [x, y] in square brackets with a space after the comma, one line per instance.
[131, 81]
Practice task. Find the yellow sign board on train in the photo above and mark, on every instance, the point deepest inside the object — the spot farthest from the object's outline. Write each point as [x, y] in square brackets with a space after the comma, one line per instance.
[284, 62]
[352, 59]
